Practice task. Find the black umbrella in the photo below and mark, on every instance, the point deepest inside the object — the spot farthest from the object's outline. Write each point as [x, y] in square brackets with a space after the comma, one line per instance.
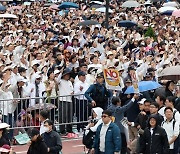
[88, 22]
[126, 23]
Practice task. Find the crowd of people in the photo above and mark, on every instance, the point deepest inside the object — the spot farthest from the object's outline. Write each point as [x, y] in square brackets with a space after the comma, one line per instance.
[45, 53]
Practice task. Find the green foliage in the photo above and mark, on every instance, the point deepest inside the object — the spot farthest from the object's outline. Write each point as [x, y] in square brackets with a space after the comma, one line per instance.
[150, 33]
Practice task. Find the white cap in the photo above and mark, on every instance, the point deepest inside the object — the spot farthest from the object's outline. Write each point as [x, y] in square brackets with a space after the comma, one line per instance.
[34, 62]
[56, 72]
[21, 79]
[142, 101]
[37, 76]
[4, 125]
[1, 81]
[109, 53]
[6, 68]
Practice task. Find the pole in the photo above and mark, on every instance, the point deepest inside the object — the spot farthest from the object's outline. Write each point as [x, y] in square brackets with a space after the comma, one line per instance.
[107, 14]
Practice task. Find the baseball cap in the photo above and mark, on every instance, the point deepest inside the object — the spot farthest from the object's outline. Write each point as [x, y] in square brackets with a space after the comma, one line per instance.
[81, 73]
[142, 101]
[5, 148]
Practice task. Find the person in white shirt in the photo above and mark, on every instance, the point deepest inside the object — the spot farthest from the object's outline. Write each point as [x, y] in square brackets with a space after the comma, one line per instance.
[81, 103]
[171, 127]
[65, 105]
[43, 116]
[170, 101]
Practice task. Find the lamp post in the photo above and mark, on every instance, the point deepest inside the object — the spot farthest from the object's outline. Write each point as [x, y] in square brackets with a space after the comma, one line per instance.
[107, 14]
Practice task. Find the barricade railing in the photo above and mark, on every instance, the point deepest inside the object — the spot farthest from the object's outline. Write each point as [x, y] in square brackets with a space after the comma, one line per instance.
[23, 113]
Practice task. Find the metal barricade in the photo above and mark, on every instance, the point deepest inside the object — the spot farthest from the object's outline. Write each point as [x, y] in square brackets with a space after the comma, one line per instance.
[23, 113]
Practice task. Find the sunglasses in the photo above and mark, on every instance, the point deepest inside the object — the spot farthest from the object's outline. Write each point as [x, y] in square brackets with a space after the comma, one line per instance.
[104, 116]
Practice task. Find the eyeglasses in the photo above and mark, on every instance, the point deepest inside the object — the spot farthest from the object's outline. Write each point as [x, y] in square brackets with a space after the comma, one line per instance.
[104, 116]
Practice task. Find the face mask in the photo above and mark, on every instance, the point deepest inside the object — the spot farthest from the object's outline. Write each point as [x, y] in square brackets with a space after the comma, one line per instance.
[46, 129]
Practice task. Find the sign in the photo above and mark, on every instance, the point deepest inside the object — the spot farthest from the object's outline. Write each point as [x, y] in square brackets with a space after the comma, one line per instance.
[22, 138]
[112, 79]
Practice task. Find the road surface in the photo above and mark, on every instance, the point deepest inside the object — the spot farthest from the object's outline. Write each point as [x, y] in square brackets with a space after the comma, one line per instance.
[70, 146]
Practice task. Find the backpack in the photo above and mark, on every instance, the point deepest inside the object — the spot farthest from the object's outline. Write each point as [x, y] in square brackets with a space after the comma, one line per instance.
[88, 139]
[177, 141]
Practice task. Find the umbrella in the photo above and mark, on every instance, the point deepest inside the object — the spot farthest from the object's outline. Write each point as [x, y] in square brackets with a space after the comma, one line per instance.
[170, 73]
[173, 4]
[176, 13]
[27, 3]
[169, 12]
[130, 4]
[157, 0]
[103, 10]
[16, 8]
[127, 23]
[2, 8]
[48, 4]
[41, 106]
[143, 86]
[88, 22]
[96, 2]
[167, 8]
[96, 6]
[66, 5]
[147, 3]
[54, 7]
[10, 16]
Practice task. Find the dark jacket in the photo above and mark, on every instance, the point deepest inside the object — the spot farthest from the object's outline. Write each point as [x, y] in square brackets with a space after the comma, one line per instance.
[157, 143]
[53, 141]
[3, 140]
[99, 93]
[38, 147]
[118, 113]
[112, 139]
[141, 120]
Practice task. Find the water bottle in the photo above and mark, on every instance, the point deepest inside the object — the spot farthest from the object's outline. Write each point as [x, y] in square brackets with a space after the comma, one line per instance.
[74, 127]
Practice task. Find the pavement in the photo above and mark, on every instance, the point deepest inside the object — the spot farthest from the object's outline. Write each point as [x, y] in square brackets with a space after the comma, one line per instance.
[70, 146]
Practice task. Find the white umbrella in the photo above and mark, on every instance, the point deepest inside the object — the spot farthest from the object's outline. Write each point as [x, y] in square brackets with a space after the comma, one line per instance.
[6, 15]
[97, 2]
[167, 8]
[103, 9]
[173, 4]
[130, 4]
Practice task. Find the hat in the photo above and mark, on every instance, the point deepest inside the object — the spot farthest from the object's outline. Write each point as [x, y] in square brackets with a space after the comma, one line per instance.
[148, 75]
[21, 69]
[56, 72]
[151, 69]
[35, 62]
[109, 53]
[149, 54]
[37, 76]
[7, 68]
[34, 132]
[5, 148]
[128, 81]
[131, 68]
[120, 68]
[92, 69]
[162, 43]
[142, 101]
[21, 79]
[154, 44]
[66, 71]
[101, 36]
[1, 81]
[100, 75]
[4, 125]
[81, 73]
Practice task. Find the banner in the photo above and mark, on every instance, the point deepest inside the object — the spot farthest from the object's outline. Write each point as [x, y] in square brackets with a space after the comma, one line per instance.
[22, 138]
[112, 79]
